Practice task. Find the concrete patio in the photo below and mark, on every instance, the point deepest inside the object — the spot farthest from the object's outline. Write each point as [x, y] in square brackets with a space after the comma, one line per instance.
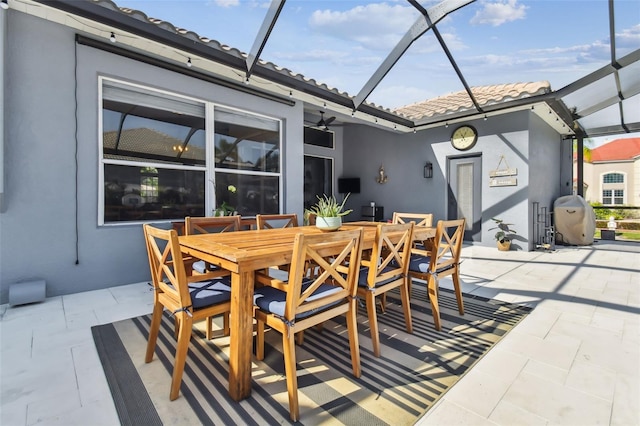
[574, 360]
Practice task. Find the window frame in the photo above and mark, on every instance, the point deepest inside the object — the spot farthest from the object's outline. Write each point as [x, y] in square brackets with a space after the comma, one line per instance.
[209, 168]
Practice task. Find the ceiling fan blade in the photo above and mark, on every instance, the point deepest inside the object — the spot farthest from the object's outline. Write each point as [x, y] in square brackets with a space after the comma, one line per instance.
[329, 121]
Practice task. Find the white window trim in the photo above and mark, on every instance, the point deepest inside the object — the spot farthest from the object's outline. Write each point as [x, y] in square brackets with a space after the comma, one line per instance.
[209, 167]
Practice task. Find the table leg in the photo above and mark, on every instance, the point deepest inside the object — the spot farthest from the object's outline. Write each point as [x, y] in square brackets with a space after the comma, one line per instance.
[241, 322]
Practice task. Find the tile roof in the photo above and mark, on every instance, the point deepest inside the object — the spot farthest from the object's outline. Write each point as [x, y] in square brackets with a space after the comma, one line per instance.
[485, 95]
[619, 149]
[454, 102]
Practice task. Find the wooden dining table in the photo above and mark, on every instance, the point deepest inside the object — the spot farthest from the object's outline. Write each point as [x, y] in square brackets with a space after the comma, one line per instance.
[243, 253]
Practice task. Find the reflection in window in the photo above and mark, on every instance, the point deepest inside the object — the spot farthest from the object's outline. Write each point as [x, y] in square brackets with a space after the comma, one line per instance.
[149, 184]
[613, 178]
[246, 142]
[155, 163]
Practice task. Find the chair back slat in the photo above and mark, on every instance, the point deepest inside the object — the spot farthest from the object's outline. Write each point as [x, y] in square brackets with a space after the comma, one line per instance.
[447, 244]
[271, 221]
[208, 225]
[420, 219]
[336, 256]
[391, 252]
[168, 273]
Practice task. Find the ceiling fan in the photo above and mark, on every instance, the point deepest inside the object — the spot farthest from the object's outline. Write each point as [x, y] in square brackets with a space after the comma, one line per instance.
[324, 124]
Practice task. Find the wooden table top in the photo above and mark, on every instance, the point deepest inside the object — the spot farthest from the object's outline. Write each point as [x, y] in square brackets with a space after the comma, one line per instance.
[261, 248]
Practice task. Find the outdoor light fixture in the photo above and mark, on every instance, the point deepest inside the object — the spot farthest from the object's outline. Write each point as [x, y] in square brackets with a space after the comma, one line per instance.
[112, 37]
[428, 170]
[189, 62]
[4, 4]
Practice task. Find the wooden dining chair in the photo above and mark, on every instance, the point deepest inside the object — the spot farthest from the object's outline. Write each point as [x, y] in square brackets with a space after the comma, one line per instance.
[420, 219]
[442, 260]
[271, 221]
[292, 307]
[385, 270]
[189, 300]
[207, 225]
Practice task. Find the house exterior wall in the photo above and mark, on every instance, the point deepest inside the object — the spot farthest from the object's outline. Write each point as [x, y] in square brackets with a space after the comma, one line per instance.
[49, 227]
[593, 173]
[636, 182]
[46, 71]
[542, 159]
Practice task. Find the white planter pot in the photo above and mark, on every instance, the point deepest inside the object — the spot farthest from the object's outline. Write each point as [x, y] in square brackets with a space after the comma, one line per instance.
[328, 223]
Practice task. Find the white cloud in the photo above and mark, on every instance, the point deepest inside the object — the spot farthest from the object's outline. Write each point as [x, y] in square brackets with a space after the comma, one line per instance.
[629, 38]
[376, 26]
[498, 13]
[227, 3]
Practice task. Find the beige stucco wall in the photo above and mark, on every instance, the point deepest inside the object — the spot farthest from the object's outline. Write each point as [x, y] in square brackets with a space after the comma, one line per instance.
[593, 173]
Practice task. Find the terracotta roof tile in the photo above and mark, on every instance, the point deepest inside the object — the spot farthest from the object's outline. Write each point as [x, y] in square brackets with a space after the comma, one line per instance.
[619, 149]
[485, 95]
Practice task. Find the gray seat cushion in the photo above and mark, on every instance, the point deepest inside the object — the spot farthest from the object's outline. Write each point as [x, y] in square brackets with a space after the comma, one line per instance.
[364, 271]
[272, 300]
[207, 293]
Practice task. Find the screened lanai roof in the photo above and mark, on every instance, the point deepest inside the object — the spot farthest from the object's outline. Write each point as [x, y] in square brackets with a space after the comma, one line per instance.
[604, 101]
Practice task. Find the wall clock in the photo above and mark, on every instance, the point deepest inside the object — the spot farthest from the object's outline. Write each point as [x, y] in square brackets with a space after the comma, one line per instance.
[464, 137]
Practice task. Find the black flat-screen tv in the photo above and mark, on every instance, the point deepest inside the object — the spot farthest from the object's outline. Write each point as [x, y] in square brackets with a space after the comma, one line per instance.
[349, 185]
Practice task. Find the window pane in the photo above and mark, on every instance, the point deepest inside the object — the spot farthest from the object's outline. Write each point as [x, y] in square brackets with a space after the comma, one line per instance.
[142, 124]
[613, 178]
[318, 179]
[254, 194]
[246, 142]
[144, 193]
[618, 196]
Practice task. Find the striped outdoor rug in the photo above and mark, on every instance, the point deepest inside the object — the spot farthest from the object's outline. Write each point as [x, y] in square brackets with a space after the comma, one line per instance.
[395, 389]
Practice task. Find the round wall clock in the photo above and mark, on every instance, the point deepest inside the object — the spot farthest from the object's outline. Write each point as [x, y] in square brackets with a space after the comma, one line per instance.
[464, 137]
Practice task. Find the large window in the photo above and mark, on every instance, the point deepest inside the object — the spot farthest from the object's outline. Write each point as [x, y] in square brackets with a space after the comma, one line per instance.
[157, 162]
[612, 196]
[613, 178]
[613, 188]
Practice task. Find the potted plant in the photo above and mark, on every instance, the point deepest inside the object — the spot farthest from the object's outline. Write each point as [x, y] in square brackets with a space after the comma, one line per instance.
[328, 212]
[504, 234]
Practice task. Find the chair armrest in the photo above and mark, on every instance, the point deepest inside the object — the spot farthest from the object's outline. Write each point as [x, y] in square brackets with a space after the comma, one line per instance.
[263, 279]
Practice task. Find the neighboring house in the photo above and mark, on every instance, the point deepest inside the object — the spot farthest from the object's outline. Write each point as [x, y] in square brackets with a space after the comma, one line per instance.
[100, 137]
[612, 177]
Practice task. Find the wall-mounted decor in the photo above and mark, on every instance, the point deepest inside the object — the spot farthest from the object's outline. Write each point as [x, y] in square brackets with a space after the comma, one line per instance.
[503, 176]
[382, 178]
[464, 137]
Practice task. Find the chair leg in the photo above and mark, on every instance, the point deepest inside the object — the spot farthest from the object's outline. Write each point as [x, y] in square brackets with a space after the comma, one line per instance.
[383, 302]
[153, 331]
[406, 306]
[432, 289]
[182, 347]
[300, 338]
[373, 322]
[209, 332]
[289, 348]
[354, 345]
[259, 340]
[458, 289]
[225, 324]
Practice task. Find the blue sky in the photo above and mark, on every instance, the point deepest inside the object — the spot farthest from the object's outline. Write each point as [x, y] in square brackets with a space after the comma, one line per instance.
[342, 42]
